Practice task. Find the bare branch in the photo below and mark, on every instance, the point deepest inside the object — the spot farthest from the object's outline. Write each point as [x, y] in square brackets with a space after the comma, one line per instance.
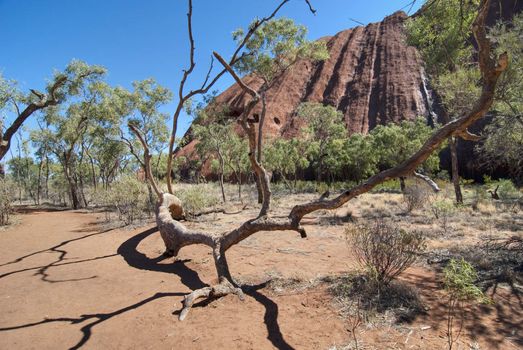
[312, 9]
[428, 180]
[238, 80]
[147, 160]
[467, 135]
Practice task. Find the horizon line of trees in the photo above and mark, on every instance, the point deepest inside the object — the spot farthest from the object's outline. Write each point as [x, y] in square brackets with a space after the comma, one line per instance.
[90, 133]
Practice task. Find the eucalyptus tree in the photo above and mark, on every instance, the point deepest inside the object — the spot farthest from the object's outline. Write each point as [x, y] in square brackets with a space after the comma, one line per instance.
[358, 157]
[270, 52]
[21, 105]
[286, 157]
[170, 209]
[211, 143]
[145, 118]
[95, 112]
[502, 145]
[218, 141]
[394, 143]
[41, 142]
[442, 32]
[324, 133]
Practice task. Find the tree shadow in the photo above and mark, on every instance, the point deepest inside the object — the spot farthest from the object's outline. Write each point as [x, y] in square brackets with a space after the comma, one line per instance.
[134, 258]
[95, 318]
[43, 208]
[42, 271]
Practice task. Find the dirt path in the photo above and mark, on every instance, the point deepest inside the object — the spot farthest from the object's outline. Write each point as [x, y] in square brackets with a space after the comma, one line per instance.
[64, 284]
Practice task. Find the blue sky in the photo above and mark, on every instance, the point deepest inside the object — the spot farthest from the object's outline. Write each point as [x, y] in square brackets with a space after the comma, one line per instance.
[138, 39]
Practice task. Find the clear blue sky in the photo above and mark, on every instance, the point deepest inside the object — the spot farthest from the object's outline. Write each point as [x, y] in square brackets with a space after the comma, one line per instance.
[138, 39]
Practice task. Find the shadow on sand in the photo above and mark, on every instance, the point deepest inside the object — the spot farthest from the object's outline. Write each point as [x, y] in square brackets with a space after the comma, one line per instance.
[134, 258]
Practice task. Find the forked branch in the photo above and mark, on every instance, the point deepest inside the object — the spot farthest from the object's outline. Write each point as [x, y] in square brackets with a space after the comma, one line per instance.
[176, 235]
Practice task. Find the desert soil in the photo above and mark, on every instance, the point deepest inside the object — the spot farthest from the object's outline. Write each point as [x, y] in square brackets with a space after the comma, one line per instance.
[66, 283]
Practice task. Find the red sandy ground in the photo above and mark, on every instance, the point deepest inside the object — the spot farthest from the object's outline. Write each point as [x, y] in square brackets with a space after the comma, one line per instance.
[66, 284]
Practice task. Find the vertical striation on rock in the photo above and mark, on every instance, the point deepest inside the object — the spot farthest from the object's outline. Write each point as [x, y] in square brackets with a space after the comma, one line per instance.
[372, 76]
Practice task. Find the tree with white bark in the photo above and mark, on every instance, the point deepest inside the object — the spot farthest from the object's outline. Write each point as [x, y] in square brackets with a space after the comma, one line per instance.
[176, 235]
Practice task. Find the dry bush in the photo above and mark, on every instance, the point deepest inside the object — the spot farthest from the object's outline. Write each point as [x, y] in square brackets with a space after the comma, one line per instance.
[6, 199]
[443, 210]
[416, 196]
[358, 298]
[128, 196]
[384, 249]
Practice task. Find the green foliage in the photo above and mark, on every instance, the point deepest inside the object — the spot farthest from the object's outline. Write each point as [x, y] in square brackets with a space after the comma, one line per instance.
[385, 250]
[441, 33]
[128, 196]
[285, 157]
[442, 208]
[324, 134]
[220, 142]
[509, 90]
[459, 90]
[358, 157]
[196, 198]
[146, 99]
[505, 187]
[275, 47]
[459, 279]
[394, 143]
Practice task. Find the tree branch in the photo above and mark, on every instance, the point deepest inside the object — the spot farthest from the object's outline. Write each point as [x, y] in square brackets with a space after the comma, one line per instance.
[147, 160]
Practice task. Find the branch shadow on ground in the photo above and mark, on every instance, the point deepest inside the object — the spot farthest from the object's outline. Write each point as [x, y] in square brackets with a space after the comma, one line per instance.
[134, 258]
[42, 271]
[96, 318]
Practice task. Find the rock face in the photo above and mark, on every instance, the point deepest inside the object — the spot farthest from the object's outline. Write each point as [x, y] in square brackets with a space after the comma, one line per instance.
[372, 77]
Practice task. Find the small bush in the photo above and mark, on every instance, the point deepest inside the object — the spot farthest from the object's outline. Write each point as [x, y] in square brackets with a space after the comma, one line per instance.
[416, 196]
[198, 197]
[443, 210]
[459, 279]
[384, 249]
[129, 196]
[6, 199]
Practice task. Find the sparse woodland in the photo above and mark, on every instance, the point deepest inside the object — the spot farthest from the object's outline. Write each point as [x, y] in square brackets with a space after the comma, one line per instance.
[113, 151]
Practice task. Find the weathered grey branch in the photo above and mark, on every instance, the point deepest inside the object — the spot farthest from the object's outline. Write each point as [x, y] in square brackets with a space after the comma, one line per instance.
[177, 236]
[183, 98]
[467, 135]
[146, 159]
[428, 180]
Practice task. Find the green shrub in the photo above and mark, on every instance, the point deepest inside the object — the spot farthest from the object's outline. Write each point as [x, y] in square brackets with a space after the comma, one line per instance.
[128, 196]
[459, 279]
[443, 210]
[195, 198]
[505, 187]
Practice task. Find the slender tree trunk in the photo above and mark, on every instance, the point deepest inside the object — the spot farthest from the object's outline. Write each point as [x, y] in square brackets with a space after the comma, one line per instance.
[39, 181]
[47, 177]
[82, 193]
[73, 191]
[93, 173]
[259, 147]
[455, 169]
[222, 170]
